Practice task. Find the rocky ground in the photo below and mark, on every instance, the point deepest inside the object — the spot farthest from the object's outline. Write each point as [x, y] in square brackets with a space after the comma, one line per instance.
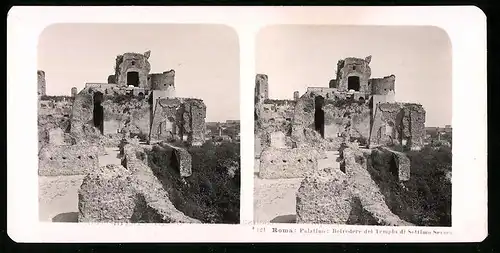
[58, 196]
[274, 199]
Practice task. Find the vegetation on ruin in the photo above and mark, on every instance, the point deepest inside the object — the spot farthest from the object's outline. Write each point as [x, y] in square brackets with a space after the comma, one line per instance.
[425, 199]
[212, 193]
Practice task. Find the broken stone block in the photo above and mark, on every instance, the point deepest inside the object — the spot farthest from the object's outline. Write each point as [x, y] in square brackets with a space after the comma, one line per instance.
[175, 157]
[324, 197]
[287, 162]
[56, 136]
[403, 164]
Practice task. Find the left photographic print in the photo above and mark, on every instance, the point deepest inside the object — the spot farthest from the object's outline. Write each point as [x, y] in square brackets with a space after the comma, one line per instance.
[139, 123]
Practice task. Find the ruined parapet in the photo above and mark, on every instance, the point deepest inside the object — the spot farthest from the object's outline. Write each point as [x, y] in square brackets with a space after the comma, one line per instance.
[353, 74]
[163, 81]
[287, 163]
[261, 87]
[67, 160]
[296, 95]
[133, 69]
[41, 83]
[324, 197]
[383, 86]
[369, 205]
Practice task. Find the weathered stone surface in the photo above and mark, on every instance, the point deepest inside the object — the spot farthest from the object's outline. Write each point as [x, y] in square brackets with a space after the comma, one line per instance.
[56, 137]
[398, 124]
[177, 119]
[67, 160]
[287, 163]
[277, 140]
[133, 62]
[370, 203]
[400, 161]
[324, 197]
[108, 195]
[155, 202]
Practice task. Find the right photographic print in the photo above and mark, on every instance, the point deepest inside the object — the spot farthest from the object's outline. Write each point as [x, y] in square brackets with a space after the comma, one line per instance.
[353, 125]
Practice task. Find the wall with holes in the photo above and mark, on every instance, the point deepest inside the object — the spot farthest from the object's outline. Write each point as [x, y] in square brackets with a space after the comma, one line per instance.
[287, 162]
[67, 160]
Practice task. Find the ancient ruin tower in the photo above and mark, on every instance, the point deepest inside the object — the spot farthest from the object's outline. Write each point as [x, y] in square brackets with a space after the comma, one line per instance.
[132, 69]
[261, 88]
[41, 83]
[296, 95]
[163, 82]
[74, 91]
[354, 74]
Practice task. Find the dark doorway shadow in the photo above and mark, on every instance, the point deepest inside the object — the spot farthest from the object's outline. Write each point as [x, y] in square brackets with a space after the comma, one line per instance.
[66, 217]
[290, 218]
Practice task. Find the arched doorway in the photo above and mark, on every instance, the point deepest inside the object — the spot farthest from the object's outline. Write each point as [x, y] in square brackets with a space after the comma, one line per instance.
[133, 78]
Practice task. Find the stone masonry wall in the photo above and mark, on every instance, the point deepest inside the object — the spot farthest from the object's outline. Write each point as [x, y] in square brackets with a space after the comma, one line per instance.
[133, 62]
[354, 67]
[287, 162]
[67, 160]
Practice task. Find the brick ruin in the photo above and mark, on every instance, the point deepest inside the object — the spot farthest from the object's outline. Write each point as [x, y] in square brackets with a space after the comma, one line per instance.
[133, 106]
[354, 109]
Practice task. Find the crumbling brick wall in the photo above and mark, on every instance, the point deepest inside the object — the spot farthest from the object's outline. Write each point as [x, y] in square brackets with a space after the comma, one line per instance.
[114, 193]
[261, 87]
[67, 160]
[179, 119]
[398, 124]
[54, 114]
[287, 162]
[163, 81]
[130, 113]
[41, 83]
[343, 118]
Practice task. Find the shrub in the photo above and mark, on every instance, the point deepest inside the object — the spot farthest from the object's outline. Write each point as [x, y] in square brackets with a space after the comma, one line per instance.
[210, 194]
[425, 199]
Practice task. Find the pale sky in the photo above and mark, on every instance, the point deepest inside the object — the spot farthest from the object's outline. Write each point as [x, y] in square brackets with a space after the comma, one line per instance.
[296, 57]
[205, 59]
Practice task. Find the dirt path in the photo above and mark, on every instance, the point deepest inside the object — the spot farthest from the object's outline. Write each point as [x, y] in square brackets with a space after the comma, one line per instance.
[58, 196]
[274, 199]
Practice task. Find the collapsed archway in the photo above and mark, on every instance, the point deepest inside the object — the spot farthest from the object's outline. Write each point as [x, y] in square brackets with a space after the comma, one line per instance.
[319, 115]
[98, 113]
